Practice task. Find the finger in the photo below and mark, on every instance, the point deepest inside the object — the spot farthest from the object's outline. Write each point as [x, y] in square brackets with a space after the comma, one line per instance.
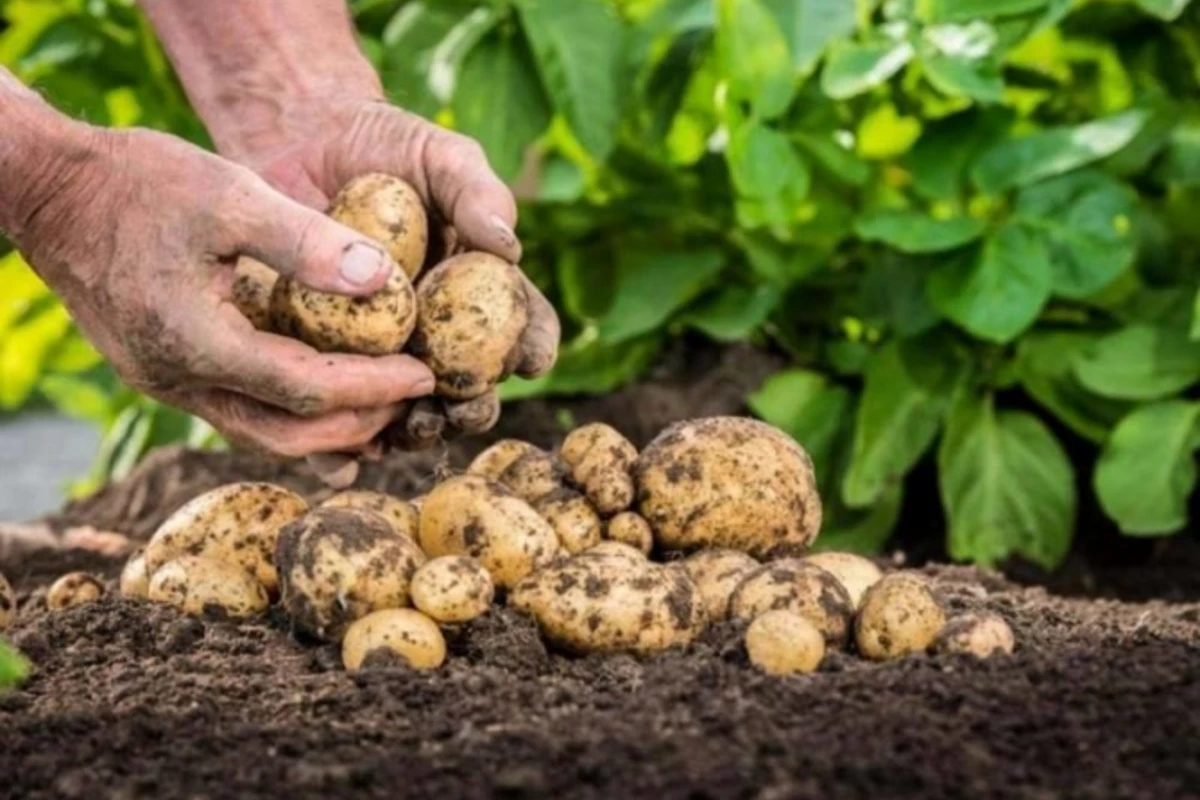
[470, 195]
[538, 346]
[335, 470]
[474, 416]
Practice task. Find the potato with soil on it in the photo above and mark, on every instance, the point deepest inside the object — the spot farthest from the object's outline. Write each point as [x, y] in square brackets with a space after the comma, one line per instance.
[601, 461]
[728, 482]
[899, 616]
[337, 565]
[605, 603]
[534, 476]
[8, 604]
[717, 573]
[854, 572]
[253, 283]
[388, 210]
[206, 587]
[573, 519]
[73, 589]
[452, 589]
[629, 527]
[402, 514]
[982, 634]
[492, 462]
[236, 523]
[473, 516]
[135, 580]
[472, 311]
[611, 549]
[400, 633]
[792, 585]
[783, 643]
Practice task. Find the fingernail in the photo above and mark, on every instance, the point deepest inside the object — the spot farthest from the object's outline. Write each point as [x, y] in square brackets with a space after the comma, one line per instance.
[425, 385]
[361, 263]
[504, 229]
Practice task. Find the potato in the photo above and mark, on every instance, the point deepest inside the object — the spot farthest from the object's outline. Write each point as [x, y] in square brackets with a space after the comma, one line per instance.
[981, 634]
[495, 459]
[855, 573]
[452, 589]
[573, 519]
[899, 616]
[473, 310]
[418, 503]
[337, 565]
[253, 283]
[792, 585]
[206, 587]
[716, 574]
[135, 580]
[533, 476]
[604, 603]
[73, 589]
[610, 549]
[8, 604]
[408, 634]
[389, 211]
[728, 482]
[470, 515]
[237, 523]
[600, 460]
[401, 514]
[784, 642]
[631, 528]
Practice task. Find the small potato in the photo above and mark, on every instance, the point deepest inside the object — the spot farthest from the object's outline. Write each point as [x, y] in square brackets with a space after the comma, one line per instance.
[389, 211]
[8, 604]
[631, 528]
[728, 482]
[612, 549]
[237, 523]
[981, 634]
[575, 522]
[402, 514]
[135, 580]
[452, 589]
[402, 632]
[899, 616]
[716, 574]
[470, 515]
[205, 587]
[855, 573]
[73, 589]
[253, 282]
[337, 565]
[783, 643]
[492, 462]
[600, 460]
[378, 325]
[533, 476]
[792, 585]
[473, 310]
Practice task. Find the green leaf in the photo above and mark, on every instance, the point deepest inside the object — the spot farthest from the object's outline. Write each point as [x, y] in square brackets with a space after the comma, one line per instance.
[73, 354]
[76, 397]
[860, 530]
[734, 312]
[810, 26]
[766, 168]
[652, 286]
[1195, 335]
[578, 45]
[841, 163]
[754, 56]
[853, 68]
[778, 263]
[967, 10]
[1006, 484]
[585, 282]
[960, 77]
[997, 292]
[1085, 220]
[808, 407]
[1045, 368]
[892, 294]
[13, 667]
[23, 353]
[1020, 162]
[1168, 10]
[1147, 471]
[446, 60]
[1140, 362]
[940, 158]
[587, 366]
[913, 232]
[409, 42]
[1181, 161]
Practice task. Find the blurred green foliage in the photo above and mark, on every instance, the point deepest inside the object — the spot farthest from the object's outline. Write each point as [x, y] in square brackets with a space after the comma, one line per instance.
[970, 223]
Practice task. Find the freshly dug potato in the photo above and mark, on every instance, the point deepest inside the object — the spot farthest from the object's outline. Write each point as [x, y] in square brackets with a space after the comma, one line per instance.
[495, 459]
[337, 565]
[402, 632]
[387, 210]
[206, 587]
[899, 616]
[253, 282]
[135, 580]
[855, 573]
[716, 574]
[792, 585]
[784, 642]
[981, 634]
[603, 603]
[452, 589]
[473, 310]
[73, 589]
[470, 515]
[237, 523]
[728, 482]
[8, 604]
[533, 476]
[612, 549]
[573, 519]
[402, 514]
[600, 460]
[631, 528]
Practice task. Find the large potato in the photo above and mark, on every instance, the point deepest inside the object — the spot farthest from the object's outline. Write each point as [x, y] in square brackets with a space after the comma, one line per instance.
[470, 515]
[982, 634]
[899, 616]
[575, 522]
[534, 476]
[452, 589]
[339, 564]
[492, 462]
[783, 642]
[135, 580]
[473, 310]
[8, 604]
[73, 589]
[204, 587]
[401, 632]
[600, 461]
[253, 283]
[727, 482]
[716, 574]
[792, 585]
[402, 514]
[598, 603]
[854, 572]
[389, 211]
[237, 523]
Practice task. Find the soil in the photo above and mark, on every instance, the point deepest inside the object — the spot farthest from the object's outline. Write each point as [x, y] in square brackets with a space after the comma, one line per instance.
[133, 700]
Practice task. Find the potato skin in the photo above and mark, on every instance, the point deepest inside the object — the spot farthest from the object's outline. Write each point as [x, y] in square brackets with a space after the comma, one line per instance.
[728, 482]
[783, 643]
[472, 312]
[401, 514]
[337, 565]
[205, 587]
[237, 522]
[805, 589]
[614, 549]
[717, 573]
[8, 604]
[403, 632]
[631, 528]
[331, 323]
[573, 519]
[854, 572]
[135, 580]
[253, 283]
[452, 589]
[982, 634]
[389, 211]
[899, 616]
[601, 461]
[534, 475]
[496, 458]
[73, 589]
[470, 515]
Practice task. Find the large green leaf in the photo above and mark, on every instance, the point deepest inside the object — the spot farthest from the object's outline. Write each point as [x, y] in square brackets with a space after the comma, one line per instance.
[1147, 471]
[1164, 9]
[809, 408]
[811, 26]
[754, 56]
[1006, 484]
[652, 286]
[767, 169]
[940, 158]
[913, 232]
[734, 312]
[409, 42]
[960, 77]
[854, 68]
[1046, 369]
[966, 10]
[860, 530]
[1140, 362]
[24, 351]
[892, 294]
